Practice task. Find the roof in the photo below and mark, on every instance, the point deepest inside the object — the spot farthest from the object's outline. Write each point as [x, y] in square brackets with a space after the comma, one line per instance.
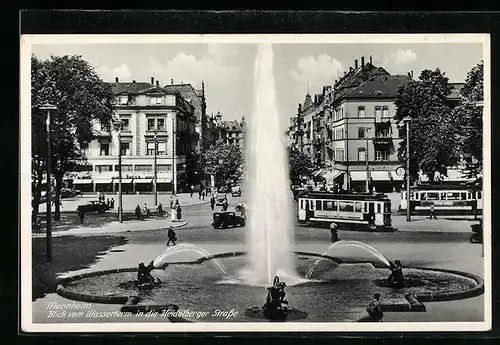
[379, 86]
[231, 124]
[130, 88]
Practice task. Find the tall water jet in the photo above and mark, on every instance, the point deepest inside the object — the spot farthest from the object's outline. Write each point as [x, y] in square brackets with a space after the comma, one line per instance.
[270, 214]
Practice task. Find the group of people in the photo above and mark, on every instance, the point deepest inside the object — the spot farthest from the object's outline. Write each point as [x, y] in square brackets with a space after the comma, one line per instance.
[109, 202]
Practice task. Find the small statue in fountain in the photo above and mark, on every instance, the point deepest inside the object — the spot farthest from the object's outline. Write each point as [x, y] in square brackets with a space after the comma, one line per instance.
[396, 278]
[275, 300]
[144, 277]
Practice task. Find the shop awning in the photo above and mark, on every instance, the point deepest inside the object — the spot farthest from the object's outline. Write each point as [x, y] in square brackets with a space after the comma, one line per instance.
[163, 180]
[124, 180]
[332, 175]
[103, 181]
[396, 177]
[380, 175]
[358, 175]
[83, 181]
[318, 172]
[143, 180]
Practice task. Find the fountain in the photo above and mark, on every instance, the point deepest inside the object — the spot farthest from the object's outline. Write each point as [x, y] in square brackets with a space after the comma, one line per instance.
[329, 288]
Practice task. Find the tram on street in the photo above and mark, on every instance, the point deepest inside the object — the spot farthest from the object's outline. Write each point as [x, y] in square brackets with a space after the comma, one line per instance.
[449, 200]
[358, 210]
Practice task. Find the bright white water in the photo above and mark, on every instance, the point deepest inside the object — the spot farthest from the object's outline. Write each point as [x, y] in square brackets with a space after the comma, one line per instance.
[270, 213]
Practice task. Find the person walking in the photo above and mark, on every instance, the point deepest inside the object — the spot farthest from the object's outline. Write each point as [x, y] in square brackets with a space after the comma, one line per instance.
[179, 213]
[192, 191]
[203, 192]
[112, 203]
[159, 210]
[171, 236]
[225, 205]
[138, 212]
[81, 214]
[173, 215]
[199, 194]
[212, 202]
[333, 231]
[172, 201]
[432, 213]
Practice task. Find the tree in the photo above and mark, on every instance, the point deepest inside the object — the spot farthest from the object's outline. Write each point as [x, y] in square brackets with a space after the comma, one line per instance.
[300, 165]
[432, 132]
[223, 161]
[81, 97]
[469, 123]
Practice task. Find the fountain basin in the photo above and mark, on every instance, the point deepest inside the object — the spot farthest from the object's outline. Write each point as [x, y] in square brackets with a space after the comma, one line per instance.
[338, 291]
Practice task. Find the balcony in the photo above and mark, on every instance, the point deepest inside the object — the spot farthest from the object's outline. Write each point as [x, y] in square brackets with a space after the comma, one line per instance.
[382, 141]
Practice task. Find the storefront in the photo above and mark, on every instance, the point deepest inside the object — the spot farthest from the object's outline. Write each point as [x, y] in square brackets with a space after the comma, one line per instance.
[83, 185]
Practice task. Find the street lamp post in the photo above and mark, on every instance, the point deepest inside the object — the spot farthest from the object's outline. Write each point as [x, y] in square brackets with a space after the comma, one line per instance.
[366, 161]
[120, 192]
[49, 107]
[408, 212]
[154, 167]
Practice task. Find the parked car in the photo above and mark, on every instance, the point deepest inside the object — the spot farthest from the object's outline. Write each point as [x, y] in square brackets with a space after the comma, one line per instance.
[67, 193]
[94, 206]
[477, 233]
[219, 199]
[224, 220]
[236, 191]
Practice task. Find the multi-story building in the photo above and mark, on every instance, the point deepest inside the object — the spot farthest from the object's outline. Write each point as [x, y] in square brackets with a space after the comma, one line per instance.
[149, 115]
[349, 130]
[234, 132]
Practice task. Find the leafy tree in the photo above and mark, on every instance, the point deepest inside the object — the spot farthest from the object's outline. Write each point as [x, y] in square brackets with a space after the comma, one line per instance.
[469, 123]
[223, 161]
[300, 165]
[432, 132]
[72, 85]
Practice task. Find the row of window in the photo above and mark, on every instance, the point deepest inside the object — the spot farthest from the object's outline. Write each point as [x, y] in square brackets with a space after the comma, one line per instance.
[445, 196]
[380, 155]
[380, 112]
[153, 123]
[342, 206]
[130, 168]
[153, 100]
[125, 149]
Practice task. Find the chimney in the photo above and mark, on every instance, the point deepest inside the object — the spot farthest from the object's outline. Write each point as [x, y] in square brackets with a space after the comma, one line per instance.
[356, 64]
[350, 69]
[152, 80]
[172, 81]
[371, 63]
[411, 74]
[158, 83]
[362, 61]
[116, 80]
[133, 81]
[345, 72]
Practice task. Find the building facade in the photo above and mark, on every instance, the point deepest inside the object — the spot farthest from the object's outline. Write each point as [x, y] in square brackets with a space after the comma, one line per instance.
[150, 116]
[233, 132]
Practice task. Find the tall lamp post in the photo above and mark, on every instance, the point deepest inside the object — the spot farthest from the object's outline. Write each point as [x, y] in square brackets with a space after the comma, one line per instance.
[407, 120]
[49, 107]
[154, 167]
[120, 192]
[366, 161]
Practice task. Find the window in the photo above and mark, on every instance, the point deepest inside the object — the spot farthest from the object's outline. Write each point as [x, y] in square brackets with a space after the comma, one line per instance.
[479, 195]
[125, 149]
[318, 205]
[161, 149]
[361, 154]
[143, 167]
[150, 148]
[164, 167]
[104, 149]
[423, 196]
[123, 100]
[161, 124]
[302, 204]
[384, 133]
[378, 111]
[432, 196]
[381, 155]
[124, 168]
[103, 168]
[463, 196]
[453, 196]
[125, 125]
[342, 113]
[379, 208]
[358, 206]
[151, 124]
[156, 100]
[469, 196]
[330, 205]
[443, 195]
[365, 209]
[340, 155]
[385, 111]
[361, 132]
[361, 112]
[346, 206]
[387, 208]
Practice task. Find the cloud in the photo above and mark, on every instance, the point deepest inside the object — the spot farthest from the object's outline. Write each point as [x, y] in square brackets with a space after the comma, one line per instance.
[317, 71]
[123, 72]
[402, 57]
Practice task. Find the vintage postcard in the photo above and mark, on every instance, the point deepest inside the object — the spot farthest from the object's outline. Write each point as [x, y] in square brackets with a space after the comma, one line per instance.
[255, 183]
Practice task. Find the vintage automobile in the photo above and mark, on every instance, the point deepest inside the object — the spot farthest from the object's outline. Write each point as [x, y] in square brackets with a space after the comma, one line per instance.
[219, 199]
[94, 206]
[236, 191]
[224, 220]
[477, 233]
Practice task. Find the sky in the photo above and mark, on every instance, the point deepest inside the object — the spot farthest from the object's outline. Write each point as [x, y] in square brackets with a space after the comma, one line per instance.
[227, 68]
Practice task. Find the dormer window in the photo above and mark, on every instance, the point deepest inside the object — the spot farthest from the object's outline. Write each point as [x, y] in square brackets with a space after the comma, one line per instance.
[156, 100]
[123, 100]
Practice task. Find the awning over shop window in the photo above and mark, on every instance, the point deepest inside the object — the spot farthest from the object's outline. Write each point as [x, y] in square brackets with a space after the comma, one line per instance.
[319, 172]
[143, 180]
[82, 181]
[332, 175]
[103, 181]
[163, 180]
[396, 177]
[124, 180]
[358, 175]
[380, 175]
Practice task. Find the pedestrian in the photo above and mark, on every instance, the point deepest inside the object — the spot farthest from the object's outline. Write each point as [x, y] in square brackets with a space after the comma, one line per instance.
[172, 201]
[199, 194]
[432, 213]
[225, 204]
[179, 213]
[173, 215]
[333, 231]
[108, 203]
[212, 202]
[81, 214]
[113, 203]
[176, 203]
[138, 212]
[146, 210]
[192, 191]
[171, 235]
[203, 194]
[159, 210]
[374, 310]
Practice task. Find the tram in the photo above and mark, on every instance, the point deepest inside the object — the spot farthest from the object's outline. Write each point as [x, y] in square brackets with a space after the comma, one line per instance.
[446, 199]
[359, 210]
